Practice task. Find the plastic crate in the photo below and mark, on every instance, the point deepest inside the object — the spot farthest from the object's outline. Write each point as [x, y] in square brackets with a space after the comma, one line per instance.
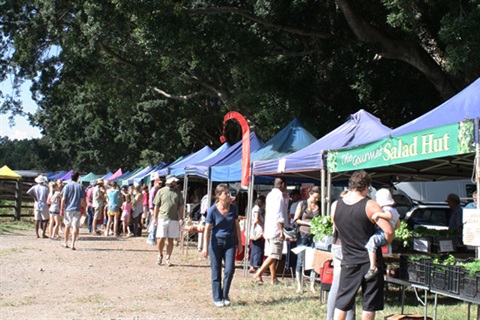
[470, 287]
[447, 278]
[416, 271]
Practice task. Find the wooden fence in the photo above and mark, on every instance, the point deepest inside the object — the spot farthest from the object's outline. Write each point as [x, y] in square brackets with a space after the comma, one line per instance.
[16, 191]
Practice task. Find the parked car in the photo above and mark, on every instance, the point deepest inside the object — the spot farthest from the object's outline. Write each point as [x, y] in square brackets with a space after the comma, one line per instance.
[430, 216]
[419, 214]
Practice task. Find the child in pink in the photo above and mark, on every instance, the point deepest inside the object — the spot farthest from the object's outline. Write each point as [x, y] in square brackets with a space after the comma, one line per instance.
[126, 209]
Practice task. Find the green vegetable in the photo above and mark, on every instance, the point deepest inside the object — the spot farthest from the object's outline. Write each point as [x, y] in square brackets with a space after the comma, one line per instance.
[472, 267]
[321, 226]
[404, 233]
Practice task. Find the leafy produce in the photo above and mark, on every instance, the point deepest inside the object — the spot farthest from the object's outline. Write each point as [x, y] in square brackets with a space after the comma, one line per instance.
[472, 267]
[404, 233]
[321, 226]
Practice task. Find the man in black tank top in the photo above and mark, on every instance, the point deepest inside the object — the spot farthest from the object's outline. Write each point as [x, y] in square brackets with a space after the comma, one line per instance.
[352, 217]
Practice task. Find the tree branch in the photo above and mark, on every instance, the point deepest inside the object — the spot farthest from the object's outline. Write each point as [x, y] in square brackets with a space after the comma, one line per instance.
[407, 51]
[178, 97]
[250, 16]
[117, 56]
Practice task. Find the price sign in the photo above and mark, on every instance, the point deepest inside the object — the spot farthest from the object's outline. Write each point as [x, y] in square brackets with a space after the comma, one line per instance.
[471, 227]
[421, 245]
[445, 246]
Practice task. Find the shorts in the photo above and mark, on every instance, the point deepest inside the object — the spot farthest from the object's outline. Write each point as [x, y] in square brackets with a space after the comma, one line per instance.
[113, 213]
[351, 278]
[168, 229]
[41, 215]
[97, 213]
[72, 219]
[274, 248]
[54, 213]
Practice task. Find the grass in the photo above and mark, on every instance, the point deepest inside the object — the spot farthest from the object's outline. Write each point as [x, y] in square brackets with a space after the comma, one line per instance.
[281, 302]
[24, 301]
[8, 225]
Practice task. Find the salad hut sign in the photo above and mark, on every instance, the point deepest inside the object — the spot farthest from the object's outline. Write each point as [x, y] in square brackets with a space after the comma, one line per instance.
[448, 140]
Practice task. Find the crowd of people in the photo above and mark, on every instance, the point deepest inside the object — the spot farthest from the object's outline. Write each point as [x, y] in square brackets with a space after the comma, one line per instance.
[361, 227]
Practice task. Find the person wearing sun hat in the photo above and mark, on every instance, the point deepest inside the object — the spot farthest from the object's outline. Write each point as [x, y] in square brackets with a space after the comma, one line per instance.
[167, 213]
[39, 193]
[98, 202]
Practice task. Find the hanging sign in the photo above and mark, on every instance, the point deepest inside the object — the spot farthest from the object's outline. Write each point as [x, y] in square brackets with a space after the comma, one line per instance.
[471, 227]
[452, 139]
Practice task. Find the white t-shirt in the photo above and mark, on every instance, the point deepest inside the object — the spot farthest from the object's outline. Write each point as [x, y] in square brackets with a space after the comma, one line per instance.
[40, 193]
[395, 215]
[275, 212]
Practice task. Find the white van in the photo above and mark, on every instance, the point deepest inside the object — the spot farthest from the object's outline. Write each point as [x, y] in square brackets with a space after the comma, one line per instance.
[437, 191]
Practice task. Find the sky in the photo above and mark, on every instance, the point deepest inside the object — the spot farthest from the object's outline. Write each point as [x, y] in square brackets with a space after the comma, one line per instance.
[22, 128]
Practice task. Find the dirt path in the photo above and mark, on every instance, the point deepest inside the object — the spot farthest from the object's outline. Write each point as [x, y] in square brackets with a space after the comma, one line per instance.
[105, 278]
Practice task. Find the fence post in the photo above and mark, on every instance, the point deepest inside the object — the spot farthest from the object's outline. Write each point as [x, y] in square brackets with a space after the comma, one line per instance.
[18, 199]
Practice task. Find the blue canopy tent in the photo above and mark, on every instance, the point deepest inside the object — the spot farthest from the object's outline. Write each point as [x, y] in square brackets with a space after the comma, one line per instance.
[138, 177]
[57, 176]
[182, 162]
[290, 139]
[50, 174]
[360, 127]
[439, 145]
[230, 155]
[115, 175]
[179, 171]
[67, 176]
[108, 175]
[127, 175]
[200, 169]
[227, 155]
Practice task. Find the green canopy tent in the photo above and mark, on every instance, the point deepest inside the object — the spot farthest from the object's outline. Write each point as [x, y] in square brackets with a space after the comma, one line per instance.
[89, 177]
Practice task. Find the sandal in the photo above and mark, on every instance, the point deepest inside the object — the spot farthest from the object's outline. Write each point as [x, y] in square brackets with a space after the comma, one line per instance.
[258, 281]
[65, 245]
[276, 282]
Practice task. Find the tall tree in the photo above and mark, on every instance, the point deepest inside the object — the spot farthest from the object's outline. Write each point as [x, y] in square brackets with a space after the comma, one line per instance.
[121, 82]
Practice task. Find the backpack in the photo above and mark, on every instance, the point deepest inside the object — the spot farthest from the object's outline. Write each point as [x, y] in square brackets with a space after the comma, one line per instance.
[326, 275]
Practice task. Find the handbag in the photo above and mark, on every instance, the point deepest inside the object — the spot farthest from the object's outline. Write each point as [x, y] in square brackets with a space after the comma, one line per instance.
[256, 232]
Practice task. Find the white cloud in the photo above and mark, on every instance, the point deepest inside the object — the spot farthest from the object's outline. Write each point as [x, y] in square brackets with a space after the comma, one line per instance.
[22, 128]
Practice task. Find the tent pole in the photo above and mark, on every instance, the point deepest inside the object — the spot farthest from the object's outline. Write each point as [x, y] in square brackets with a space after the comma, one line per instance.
[323, 191]
[329, 192]
[185, 194]
[248, 223]
[477, 170]
[209, 186]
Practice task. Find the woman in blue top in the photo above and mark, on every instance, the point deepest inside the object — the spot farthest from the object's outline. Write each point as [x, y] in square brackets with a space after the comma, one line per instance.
[223, 230]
